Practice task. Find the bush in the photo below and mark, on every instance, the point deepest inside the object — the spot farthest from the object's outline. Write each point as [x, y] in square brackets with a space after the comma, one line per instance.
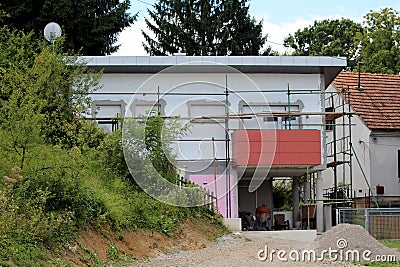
[62, 190]
[45, 202]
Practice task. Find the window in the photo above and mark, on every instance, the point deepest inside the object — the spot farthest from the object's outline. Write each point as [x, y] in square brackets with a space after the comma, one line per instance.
[199, 108]
[143, 107]
[329, 123]
[106, 111]
[398, 163]
[270, 121]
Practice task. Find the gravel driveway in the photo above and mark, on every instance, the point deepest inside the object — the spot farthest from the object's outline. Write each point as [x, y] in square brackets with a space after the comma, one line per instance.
[235, 250]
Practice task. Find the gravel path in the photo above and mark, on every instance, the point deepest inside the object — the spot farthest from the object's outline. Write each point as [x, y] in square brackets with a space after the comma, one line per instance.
[236, 250]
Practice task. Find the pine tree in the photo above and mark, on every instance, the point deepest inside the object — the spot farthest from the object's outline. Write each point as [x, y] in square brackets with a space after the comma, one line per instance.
[203, 27]
[90, 26]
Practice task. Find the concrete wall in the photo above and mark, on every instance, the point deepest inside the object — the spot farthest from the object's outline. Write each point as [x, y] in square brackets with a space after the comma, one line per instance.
[384, 149]
[219, 190]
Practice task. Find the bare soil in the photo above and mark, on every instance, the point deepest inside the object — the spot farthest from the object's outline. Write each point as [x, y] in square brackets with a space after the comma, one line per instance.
[94, 243]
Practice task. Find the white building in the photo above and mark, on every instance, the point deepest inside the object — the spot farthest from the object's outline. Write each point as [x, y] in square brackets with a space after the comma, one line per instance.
[252, 118]
[375, 138]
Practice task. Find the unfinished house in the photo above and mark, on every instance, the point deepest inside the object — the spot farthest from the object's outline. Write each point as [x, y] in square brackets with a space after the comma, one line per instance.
[252, 120]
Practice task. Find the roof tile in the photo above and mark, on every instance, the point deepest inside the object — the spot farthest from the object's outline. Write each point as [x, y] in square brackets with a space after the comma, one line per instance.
[378, 100]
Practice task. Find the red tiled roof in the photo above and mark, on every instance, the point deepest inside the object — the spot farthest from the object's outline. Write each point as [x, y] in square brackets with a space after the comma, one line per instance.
[378, 101]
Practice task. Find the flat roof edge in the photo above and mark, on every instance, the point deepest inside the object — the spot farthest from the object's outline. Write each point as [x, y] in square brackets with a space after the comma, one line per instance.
[135, 61]
[329, 66]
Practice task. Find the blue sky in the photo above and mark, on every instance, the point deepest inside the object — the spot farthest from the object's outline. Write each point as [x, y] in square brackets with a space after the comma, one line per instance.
[284, 10]
[280, 18]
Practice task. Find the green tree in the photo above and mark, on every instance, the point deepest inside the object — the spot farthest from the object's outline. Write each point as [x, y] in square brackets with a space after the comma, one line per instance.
[90, 26]
[43, 93]
[380, 43]
[203, 27]
[158, 136]
[326, 38]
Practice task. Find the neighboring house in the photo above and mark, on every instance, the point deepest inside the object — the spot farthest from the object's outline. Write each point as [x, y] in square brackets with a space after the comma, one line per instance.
[253, 119]
[375, 136]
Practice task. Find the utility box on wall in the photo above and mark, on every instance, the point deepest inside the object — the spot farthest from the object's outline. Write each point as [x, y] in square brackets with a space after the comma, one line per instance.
[380, 190]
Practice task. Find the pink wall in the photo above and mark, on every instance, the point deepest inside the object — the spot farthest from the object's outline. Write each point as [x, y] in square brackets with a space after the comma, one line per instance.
[207, 181]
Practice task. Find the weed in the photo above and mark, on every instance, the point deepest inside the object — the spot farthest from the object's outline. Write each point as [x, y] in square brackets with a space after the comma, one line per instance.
[92, 260]
[60, 263]
[112, 252]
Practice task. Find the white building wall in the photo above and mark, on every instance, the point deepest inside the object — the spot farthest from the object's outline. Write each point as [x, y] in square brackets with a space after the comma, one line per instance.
[360, 135]
[384, 149]
[211, 83]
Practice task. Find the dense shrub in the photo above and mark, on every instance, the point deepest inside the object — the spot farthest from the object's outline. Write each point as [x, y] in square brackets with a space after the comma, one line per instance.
[61, 190]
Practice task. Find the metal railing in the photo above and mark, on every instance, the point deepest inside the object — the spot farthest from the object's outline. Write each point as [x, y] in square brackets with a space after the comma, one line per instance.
[209, 199]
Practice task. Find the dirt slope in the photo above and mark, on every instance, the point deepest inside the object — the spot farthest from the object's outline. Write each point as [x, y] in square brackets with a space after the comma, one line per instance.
[100, 245]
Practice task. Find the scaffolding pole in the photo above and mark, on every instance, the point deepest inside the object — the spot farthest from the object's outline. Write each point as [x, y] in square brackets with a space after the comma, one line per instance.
[288, 114]
[227, 156]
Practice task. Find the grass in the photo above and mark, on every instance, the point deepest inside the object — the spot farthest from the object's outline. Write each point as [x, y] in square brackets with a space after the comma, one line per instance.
[391, 244]
[62, 190]
[395, 243]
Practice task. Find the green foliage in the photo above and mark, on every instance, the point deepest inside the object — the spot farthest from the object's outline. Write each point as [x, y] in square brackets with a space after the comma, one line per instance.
[391, 244]
[203, 27]
[327, 38]
[112, 155]
[45, 202]
[60, 173]
[381, 264]
[157, 142]
[380, 44]
[42, 93]
[282, 193]
[376, 43]
[92, 259]
[91, 27]
[60, 190]
[112, 252]
[148, 153]
[58, 262]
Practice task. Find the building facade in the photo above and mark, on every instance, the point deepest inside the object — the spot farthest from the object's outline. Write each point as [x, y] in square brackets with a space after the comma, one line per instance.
[251, 119]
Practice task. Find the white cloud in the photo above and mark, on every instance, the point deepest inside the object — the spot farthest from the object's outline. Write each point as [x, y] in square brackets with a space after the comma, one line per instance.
[278, 32]
[131, 39]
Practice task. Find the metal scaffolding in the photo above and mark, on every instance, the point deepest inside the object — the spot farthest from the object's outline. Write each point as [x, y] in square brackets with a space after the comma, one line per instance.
[337, 116]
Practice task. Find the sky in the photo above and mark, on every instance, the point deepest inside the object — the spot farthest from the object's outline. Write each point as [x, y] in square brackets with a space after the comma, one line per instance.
[280, 18]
